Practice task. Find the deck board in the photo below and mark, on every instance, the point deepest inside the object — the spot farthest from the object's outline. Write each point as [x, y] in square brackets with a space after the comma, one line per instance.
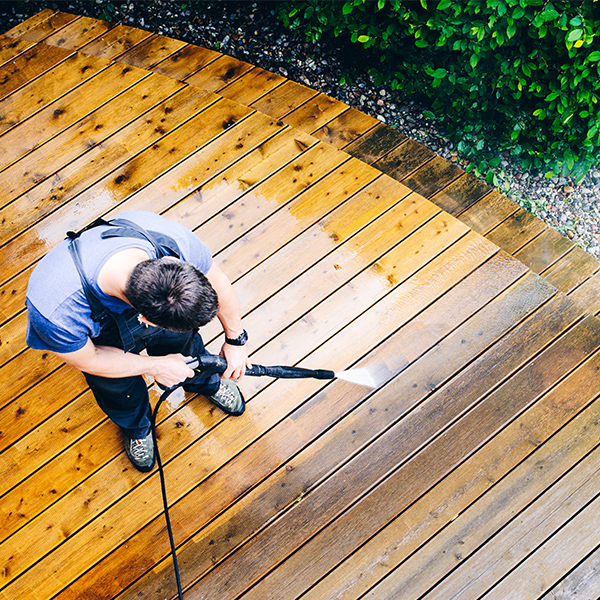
[345, 249]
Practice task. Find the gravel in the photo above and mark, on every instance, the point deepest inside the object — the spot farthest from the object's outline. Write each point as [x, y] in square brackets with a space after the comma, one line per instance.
[250, 31]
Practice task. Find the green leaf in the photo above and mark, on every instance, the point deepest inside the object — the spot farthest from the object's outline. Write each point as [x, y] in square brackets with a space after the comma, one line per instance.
[549, 14]
[473, 60]
[347, 8]
[594, 56]
[439, 73]
[444, 4]
[574, 35]
[363, 38]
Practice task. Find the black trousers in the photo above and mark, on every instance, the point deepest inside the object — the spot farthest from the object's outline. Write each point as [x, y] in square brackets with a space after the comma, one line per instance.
[125, 400]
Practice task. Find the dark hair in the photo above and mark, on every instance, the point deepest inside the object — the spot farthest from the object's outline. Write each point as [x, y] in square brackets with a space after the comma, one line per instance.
[171, 294]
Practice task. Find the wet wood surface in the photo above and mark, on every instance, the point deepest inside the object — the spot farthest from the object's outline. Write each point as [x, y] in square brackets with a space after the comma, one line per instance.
[470, 471]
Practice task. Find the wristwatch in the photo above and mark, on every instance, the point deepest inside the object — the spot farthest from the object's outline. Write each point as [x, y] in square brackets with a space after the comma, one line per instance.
[238, 341]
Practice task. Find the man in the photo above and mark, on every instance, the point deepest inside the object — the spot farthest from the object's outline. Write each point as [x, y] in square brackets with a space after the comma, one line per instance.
[136, 282]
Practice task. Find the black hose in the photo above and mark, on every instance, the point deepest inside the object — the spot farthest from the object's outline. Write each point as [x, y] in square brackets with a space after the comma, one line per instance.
[209, 364]
[163, 397]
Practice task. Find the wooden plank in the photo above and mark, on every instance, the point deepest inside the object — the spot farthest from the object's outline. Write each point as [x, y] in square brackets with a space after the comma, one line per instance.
[40, 26]
[555, 557]
[403, 160]
[115, 41]
[284, 99]
[587, 294]
[11, 337]
[376, 143]
[169, 116]
[85, 127]
[516, 231]
[219, 73]
[315, 113]
[582, 582]
[571, 270]
[24, 371]
[49, 88]
[346, 128]
[27, 66]
[12, 296]
[433, 176]
[462, 194]
[219, 493]
[488, 212]
[78, 33]
[148, 53]
[544, 250]
[186, 61]
[545, 460]
[428, 419]
[251, 86]
[11, 47]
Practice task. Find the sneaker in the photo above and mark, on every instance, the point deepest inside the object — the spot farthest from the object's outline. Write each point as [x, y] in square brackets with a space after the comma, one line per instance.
[141, 453]
[229, 398]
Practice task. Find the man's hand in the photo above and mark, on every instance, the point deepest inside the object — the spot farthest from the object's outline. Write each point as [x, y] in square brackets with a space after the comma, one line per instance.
[106, 361]
[237, 361]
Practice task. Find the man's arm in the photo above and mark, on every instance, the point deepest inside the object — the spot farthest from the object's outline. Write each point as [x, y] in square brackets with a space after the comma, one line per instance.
[230, 316]
[105, 361]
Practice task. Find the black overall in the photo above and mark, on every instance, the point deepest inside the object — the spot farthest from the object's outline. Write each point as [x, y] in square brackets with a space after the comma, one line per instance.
[125, 400]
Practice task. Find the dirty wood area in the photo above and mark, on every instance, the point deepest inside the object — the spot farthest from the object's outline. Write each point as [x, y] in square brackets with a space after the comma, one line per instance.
[470, 471]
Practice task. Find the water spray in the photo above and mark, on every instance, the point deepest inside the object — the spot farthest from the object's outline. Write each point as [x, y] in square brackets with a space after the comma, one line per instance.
[209, 364]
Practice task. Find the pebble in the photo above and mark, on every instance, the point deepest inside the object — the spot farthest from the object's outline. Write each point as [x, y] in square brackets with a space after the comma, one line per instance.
[561, 202]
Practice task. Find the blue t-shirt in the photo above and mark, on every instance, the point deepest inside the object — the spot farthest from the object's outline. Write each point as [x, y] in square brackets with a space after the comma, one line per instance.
[59, 317]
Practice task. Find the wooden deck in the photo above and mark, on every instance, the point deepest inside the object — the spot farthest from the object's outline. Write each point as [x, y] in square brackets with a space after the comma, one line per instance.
[472, 471]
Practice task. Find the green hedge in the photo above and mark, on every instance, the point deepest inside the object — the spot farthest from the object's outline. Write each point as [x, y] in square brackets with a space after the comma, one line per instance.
[522, 75]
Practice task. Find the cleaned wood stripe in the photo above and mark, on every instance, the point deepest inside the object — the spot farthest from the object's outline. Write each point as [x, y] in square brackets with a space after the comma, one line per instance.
[315, 113]
[69, 128]
[198, 130]
[181, 183]
[27, 66]
[186, 61]
[50, 88]
[116, 41]
[284, 99]
[11, 48]
[219, 73]
[251, 86]
[40, 26]
[151, 51]
[346, 128]
[78, 33]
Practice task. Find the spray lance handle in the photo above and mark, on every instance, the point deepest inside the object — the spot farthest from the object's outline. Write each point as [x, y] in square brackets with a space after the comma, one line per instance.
[209, 364]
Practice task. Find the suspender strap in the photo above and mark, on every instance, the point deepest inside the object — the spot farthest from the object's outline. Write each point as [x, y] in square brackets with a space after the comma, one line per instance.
[100, 314]
[125, 228]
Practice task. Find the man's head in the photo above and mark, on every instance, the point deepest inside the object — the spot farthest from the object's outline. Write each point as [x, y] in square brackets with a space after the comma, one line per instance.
[171, 294]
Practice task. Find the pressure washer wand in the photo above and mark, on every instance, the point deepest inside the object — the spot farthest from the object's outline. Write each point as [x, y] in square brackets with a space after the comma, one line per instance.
[209, 364]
